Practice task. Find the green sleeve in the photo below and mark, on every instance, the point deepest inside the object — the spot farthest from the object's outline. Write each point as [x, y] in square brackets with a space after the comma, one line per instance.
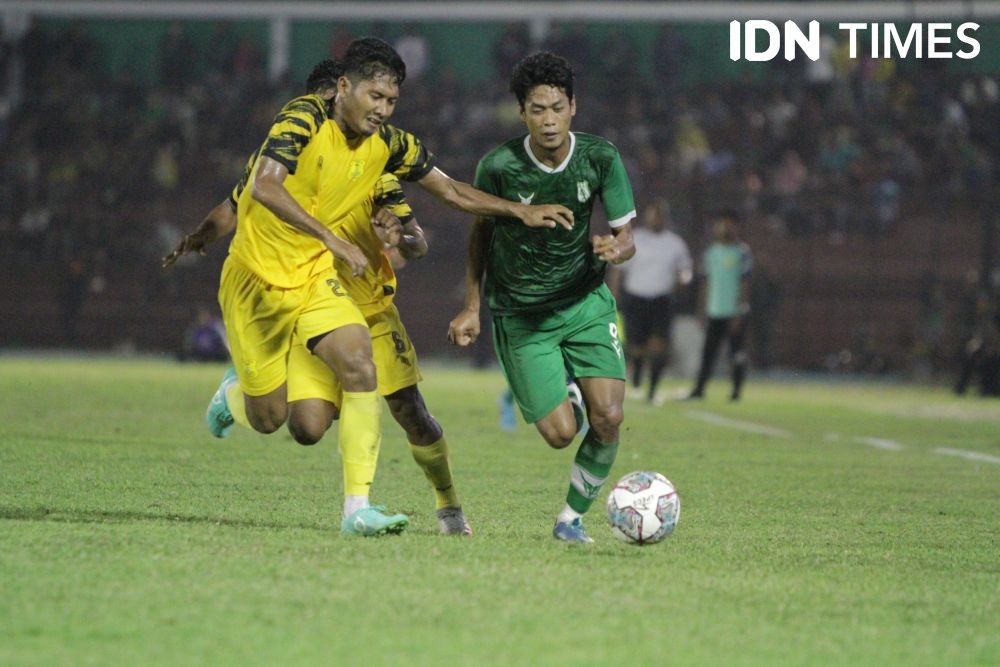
[616, 193]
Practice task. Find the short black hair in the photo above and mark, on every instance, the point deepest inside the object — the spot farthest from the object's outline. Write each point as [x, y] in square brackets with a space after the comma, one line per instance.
[541, 69]
[324, 75]
[369, 57]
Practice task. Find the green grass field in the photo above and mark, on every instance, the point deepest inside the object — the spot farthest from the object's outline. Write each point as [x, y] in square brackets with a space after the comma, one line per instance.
[821, 525]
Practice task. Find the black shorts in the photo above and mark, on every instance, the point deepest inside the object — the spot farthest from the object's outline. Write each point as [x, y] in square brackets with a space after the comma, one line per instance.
[646, 318]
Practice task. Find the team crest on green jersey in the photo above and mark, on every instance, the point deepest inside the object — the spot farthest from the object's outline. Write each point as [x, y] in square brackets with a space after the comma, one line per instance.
[582, 191]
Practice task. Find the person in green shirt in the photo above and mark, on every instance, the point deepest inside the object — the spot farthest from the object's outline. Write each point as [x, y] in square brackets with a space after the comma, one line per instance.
[553, 316]
[726, 266]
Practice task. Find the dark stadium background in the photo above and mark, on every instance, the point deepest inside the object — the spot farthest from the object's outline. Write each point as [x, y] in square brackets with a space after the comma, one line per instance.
[870, 190]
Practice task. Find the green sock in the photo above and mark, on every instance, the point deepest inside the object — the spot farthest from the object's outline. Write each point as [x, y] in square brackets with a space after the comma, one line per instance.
[590, 469]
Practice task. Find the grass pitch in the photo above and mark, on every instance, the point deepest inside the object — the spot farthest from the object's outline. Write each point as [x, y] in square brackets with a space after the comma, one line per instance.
[821, 525]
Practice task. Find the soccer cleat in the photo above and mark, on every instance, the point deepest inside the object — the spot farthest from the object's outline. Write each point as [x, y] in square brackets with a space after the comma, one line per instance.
[451, 521]
[571, 531]
[373, 521]
[218, 417]
[508, 418]
[579, 407]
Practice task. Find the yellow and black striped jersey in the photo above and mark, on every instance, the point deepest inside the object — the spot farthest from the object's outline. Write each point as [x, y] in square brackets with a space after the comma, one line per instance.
[234, 196]
[327, 177]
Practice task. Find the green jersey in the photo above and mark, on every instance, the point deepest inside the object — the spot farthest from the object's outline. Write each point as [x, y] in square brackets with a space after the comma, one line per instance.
[725, 267]
[531, 270]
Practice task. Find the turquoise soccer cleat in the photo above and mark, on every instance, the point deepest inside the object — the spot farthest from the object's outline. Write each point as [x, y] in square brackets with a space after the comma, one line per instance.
[373, 521]
[572, 532]
[218, 417]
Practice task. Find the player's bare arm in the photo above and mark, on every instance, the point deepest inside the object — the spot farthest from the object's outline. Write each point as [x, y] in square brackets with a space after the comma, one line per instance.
[464, 329]
[268, 189]
[219, 222]
[616, 247]
[408, 239]
[466, 198]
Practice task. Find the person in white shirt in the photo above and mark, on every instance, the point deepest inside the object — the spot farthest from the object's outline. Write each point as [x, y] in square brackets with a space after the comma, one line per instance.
[646, 285]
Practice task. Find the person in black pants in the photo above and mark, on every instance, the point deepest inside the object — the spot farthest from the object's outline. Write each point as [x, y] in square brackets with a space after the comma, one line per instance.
[726, 266]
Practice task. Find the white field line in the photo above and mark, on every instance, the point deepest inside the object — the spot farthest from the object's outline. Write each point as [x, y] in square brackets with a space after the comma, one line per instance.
[878, 443]
[750, 427]
[965, 454]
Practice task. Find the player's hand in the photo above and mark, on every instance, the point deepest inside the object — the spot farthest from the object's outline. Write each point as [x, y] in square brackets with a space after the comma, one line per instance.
[350, 254]
[388, 228]
[547, 215]
[464, 329]
[609, 249]
[193, 242]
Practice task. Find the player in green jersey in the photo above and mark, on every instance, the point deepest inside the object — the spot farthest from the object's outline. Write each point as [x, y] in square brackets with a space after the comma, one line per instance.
[552, 313]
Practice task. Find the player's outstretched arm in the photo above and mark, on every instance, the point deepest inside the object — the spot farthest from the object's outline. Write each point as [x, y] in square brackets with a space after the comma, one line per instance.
[466, 198]
[219, 222]
[408, 239]
[616, 247]
[269, 189]
[464, 328]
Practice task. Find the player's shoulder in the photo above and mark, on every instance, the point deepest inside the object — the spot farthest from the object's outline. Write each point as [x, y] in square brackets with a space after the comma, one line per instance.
[595, 146]
[395, 136]
[511, 151]
[312, 106]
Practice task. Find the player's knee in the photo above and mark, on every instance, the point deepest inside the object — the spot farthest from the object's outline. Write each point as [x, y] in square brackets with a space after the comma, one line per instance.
[305, 432]
[265, 422]
[358, 372]
[559, 436]
[740, 358]
[606, 418]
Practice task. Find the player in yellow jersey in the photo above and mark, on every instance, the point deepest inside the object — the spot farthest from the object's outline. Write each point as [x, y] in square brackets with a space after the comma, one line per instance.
[280, 284]
[384, 219]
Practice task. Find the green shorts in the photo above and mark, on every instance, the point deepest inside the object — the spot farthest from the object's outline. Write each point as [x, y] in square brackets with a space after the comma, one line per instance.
[537, 351]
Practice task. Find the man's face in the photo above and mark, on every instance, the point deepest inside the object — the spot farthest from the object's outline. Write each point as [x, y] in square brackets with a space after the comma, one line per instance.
[548, 113]
[367, 103]
[653, 219]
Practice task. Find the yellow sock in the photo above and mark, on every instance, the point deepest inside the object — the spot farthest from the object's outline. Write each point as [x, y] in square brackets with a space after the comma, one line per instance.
[433, 459]
[237, 406]
[360, 436]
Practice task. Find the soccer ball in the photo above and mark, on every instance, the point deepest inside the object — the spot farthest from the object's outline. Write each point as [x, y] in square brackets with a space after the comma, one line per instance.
[643, 508]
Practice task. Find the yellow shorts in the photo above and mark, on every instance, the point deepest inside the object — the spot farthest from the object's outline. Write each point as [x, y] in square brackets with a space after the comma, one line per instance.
[395, 363]
[262, 321]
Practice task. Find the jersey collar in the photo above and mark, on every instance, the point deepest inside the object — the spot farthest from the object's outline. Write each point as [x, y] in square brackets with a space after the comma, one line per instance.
[547, 169]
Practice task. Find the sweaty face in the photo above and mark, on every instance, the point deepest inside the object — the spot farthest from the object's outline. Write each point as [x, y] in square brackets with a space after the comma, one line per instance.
[367, 103]
[548, 113]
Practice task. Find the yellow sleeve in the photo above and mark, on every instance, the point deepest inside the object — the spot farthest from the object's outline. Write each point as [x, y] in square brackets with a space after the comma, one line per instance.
[408, 158]
[293, 128]
[388, 193]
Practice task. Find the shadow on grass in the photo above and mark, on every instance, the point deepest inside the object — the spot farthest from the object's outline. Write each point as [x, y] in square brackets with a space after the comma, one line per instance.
[126, 516]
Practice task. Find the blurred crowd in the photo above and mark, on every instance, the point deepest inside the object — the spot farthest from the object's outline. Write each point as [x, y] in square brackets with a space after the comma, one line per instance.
[102, 173]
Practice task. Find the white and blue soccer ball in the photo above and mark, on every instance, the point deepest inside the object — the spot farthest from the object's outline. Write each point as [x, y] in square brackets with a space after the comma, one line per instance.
[643, 508]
